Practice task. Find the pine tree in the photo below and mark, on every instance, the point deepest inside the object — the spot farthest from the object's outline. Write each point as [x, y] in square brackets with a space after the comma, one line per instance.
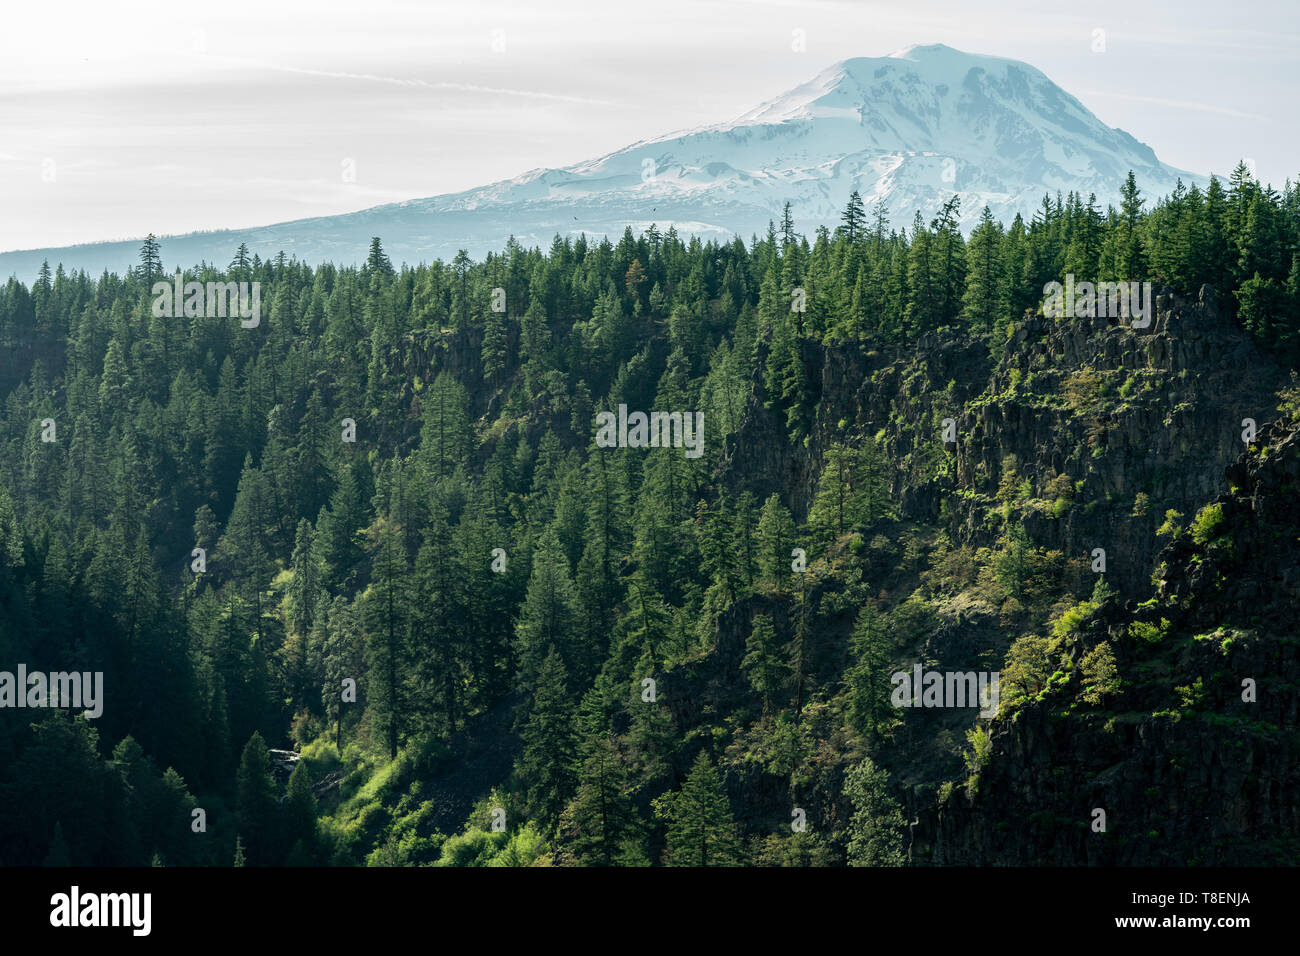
[300, 812]
[304, 592]
[744, 535]
[867, 678]
[851, 489]
[494, 352]
[388, 657]
[549, 615]
[338, 528]
[150, 263]
[876, 829]
[922, 312]
[763, 664]
[701, 829]
[244, 550]
[445, 436]
[949, 258]
[717, 549]
[1132, 262]
[437, 622]
[377, 261]
[546, 765]
[255, 803]
[776, 539]
[986, 279]
[600, 817]
[854, 218]
[340, 651]
[242, 264]
[786, 380]
[787, 226]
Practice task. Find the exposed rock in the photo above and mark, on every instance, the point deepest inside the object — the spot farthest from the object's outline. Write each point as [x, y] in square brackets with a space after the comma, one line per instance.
[282, 764]
[1188, 770]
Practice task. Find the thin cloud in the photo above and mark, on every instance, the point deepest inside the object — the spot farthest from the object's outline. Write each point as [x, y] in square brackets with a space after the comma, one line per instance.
[1179, 104]
[413, 83]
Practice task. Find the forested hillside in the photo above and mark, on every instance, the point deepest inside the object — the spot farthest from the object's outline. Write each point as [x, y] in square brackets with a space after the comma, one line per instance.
[377, 529]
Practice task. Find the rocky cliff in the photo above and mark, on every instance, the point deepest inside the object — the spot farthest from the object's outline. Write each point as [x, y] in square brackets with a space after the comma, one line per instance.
[1111, 426]
[1195, 759]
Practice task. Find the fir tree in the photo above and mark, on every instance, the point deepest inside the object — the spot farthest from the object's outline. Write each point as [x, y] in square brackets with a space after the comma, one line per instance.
[701, 830]
[868, 678]
[854, 217]
[762, 663]
[255, 803]
[546, 765]
[388, 656]
[876, 830]
[150, 263]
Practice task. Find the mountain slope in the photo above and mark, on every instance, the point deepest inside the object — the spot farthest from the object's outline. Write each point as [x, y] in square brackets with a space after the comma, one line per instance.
[1192, 755]
[908, 130]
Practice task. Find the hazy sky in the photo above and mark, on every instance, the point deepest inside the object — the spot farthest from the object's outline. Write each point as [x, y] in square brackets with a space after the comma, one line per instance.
[117, 120]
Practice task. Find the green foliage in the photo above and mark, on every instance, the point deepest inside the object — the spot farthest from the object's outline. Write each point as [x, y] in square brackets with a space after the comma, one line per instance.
[763, 662]
[600, 825]
[852, 491]
[546, 765]
[1172, 526]
[1147, 632]
[867, 678]
[473, 565]
[701, 830]
[473, 848]
[1100, 674]
[524, 848]
[981, 749]
[1191, 695]
[1208, 524]
[876, 830]
[1071, 621]
[775, 539]
[255, 803]
[1026, 670]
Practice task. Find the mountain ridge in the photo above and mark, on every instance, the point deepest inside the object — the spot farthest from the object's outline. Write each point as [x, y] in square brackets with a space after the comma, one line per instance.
[908, 130]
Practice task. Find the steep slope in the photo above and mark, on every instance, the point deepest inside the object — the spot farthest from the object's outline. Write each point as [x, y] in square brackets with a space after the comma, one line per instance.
[1195, 758]
[1110, 426]
[1083, 433]
[908, 130]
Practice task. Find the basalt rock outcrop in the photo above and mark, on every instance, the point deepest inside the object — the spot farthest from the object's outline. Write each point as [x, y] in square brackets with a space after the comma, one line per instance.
[1195, 760]
[1110, 426]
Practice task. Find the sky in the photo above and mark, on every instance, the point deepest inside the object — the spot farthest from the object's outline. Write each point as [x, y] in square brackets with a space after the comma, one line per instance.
[171, 117]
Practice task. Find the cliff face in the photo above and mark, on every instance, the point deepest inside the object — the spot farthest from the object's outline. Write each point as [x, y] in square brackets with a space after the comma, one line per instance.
[1085, 433]
[1196, 759]
[1111, 427]
[1138, 421]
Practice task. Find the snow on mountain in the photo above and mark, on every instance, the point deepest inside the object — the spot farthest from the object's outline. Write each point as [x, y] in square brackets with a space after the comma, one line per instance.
[908, 130]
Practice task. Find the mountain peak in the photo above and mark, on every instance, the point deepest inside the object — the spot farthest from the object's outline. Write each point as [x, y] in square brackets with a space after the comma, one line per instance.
[919, 51]
[909, 130]
[914, 72]
[938, 60]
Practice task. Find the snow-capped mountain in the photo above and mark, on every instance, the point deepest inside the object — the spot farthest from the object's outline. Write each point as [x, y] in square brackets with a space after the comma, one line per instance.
[908, 130]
